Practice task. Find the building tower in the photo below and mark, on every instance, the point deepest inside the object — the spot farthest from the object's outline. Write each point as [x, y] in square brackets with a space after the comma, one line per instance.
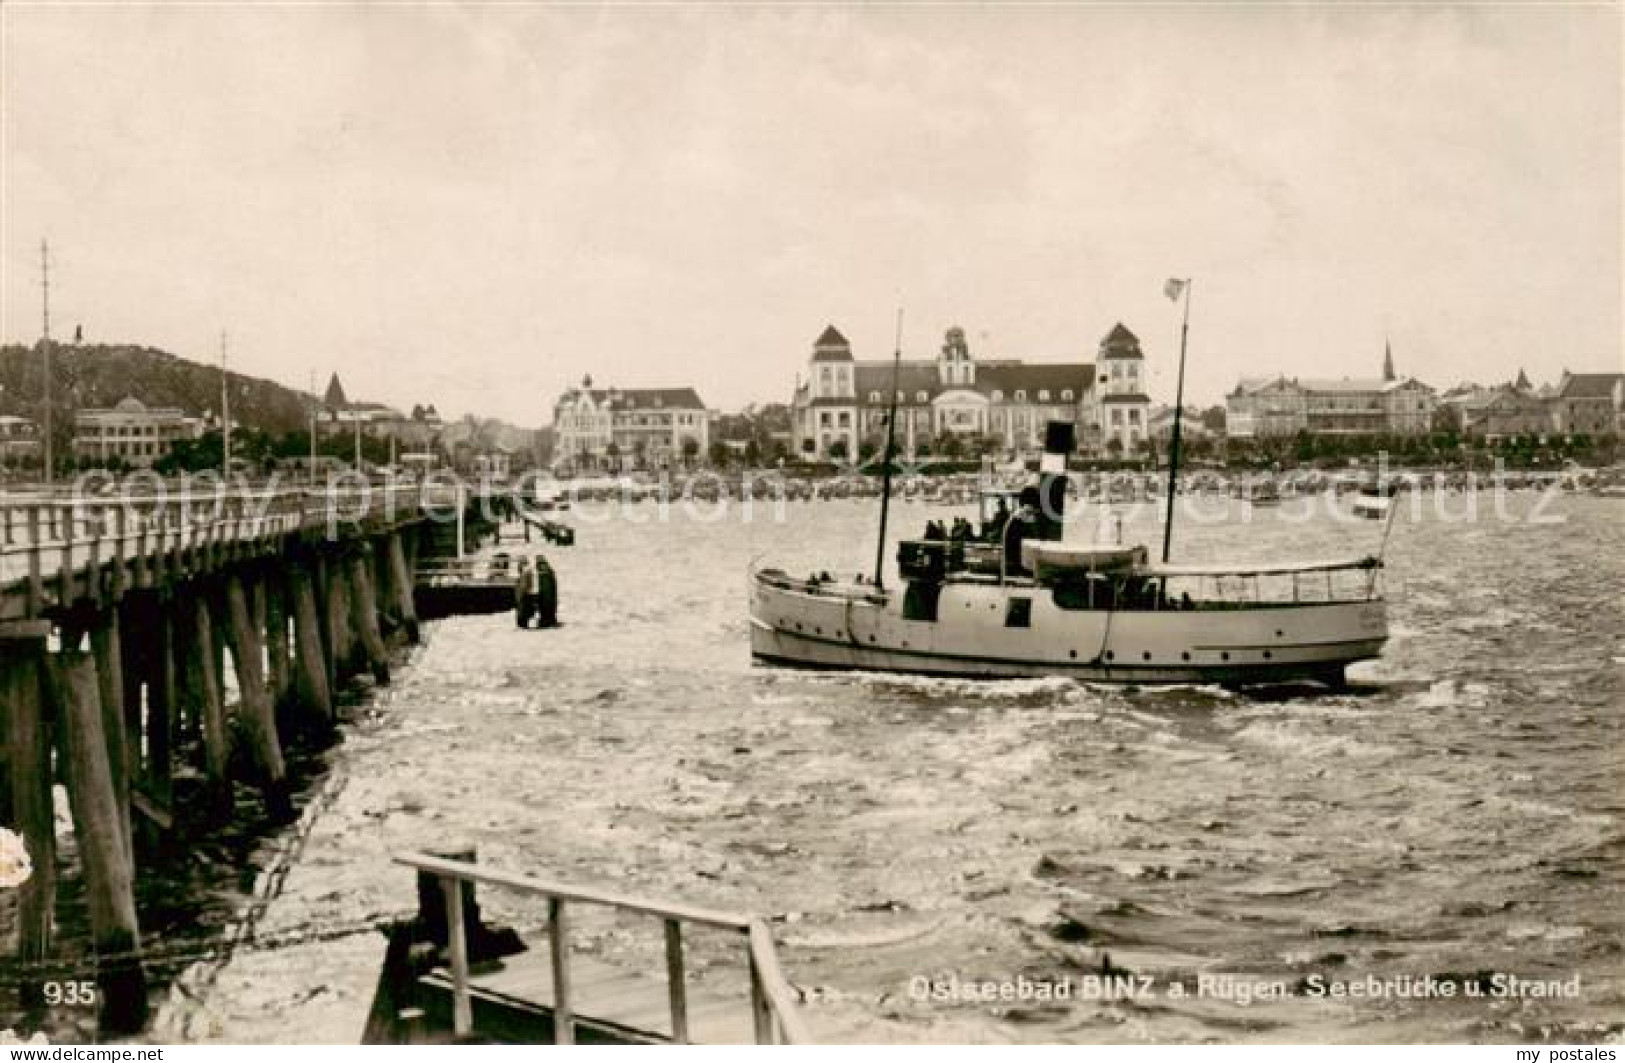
[955, 366]
[1124, 405]
[1388, 376]
[832, 384]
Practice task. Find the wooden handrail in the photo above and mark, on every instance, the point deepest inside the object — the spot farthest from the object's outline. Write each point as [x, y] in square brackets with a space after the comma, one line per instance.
[774, 1007]
[781, 998]
[478, 875]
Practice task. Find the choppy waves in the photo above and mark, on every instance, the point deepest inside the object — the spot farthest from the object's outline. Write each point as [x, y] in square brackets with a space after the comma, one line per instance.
[1457, 814]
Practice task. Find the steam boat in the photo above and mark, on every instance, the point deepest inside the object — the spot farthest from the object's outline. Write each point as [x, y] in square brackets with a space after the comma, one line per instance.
[1012, 599]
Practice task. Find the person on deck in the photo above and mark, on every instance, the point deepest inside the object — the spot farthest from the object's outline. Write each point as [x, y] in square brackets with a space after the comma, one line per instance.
[994, 531]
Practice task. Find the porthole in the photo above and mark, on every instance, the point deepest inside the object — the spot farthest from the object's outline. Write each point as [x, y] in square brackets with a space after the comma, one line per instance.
[871, 638]
[1146, 655]
[1279, 633]
[1111, 656]
[1225, 656]
[1185, 656]
[818, 631]
[798, 627]
[1266, 655]
[1072, 654]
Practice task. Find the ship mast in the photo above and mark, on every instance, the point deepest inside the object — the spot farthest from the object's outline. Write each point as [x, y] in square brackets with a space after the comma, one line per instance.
[885, 469]
[1183, 288]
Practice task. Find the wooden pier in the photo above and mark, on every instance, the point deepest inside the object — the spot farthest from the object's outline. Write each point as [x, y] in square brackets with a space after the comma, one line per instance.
[117, 616]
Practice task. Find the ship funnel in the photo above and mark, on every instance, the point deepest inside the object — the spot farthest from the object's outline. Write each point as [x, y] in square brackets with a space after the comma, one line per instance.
[1060, 437]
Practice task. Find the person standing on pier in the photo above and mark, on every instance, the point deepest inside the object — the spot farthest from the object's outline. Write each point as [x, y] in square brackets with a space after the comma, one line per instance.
[535, 593]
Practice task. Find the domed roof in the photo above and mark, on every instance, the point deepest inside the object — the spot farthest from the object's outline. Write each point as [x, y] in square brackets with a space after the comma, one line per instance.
[131, 404]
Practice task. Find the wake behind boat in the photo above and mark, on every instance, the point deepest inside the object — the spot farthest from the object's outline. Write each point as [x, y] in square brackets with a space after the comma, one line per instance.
[1011, 599]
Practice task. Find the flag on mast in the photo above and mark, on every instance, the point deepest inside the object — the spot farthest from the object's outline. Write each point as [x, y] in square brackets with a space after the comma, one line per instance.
[1174, 288]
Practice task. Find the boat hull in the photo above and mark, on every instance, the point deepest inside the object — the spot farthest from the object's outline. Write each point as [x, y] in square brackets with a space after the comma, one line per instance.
[973, 636]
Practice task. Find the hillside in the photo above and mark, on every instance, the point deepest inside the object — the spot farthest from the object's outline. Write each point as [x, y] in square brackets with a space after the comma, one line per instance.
[93, 375]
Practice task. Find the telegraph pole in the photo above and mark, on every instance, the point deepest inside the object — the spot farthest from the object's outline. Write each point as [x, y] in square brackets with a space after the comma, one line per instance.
[225, 414]
[313, 408]
[45, 348]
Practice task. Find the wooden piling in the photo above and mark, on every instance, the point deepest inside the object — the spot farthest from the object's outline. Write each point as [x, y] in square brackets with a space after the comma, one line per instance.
[109, 875]
[259, 719]
[400, 584]
[320, 572]
[203, 690]
[339, 638]
[274, 593]
[28, 736]
[161, 705]
[314, 695]
[364, 616]
[106, 643]
[135, 646]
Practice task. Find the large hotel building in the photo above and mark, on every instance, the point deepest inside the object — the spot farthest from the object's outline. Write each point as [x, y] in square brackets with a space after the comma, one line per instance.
[839, 410]
[1264, 407]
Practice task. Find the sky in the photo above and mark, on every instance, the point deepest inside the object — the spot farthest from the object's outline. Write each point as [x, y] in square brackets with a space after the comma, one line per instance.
[476, 205]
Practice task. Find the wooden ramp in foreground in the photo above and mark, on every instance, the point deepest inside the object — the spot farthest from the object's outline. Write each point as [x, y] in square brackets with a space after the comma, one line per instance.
[449, 978]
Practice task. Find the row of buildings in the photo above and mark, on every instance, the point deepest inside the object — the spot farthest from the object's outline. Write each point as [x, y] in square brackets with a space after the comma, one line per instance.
[960, 402]
[134, 434]
[1579, 404]
[839, 408]
[1589, 404]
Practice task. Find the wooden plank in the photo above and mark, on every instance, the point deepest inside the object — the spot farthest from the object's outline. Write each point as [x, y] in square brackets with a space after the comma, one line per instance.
[462, 1009]
[152, 810]
[778, 1002]
[107, 645]
[36, 588]
[607, 997]
[558, 942]
[28, 734]
[761, 1015]
[98, 832]
[676, 988]
[65, 574]
[248, 654]
[28, 629]
[120, 576]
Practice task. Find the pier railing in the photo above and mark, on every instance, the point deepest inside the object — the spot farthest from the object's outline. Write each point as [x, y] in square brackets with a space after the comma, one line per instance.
[774, 1008]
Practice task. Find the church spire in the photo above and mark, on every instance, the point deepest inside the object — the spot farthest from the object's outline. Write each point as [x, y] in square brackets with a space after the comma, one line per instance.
[1388, 361]
[334, 398]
